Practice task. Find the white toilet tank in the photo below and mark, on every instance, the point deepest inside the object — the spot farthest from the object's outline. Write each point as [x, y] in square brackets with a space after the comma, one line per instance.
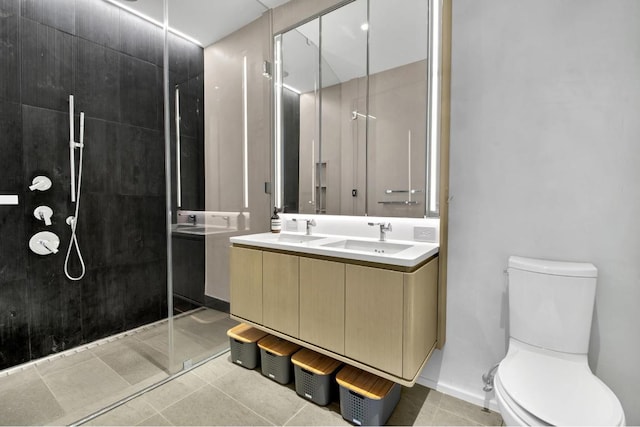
[551, 303]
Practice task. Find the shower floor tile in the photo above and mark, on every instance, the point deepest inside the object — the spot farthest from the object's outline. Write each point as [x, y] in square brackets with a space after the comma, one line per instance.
[133, 360]
[68, 387]
[85, 383]
[26, 400]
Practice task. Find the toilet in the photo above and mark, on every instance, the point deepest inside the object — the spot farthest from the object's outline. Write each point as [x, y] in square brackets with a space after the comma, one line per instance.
[545, 378]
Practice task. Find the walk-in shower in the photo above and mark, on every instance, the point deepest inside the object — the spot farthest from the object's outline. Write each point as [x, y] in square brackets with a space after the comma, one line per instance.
[72, 221]
[92, 299]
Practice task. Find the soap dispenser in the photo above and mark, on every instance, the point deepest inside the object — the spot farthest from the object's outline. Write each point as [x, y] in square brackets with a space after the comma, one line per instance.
[276, 222]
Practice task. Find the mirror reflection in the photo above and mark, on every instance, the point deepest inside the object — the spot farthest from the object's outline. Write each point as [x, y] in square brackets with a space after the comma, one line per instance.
[352, 110]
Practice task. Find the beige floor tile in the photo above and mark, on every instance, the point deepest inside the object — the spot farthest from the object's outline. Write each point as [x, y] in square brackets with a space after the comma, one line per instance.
[204, 316]
[50, 366]
[90, 408]
[83, 384]
[275, 402]
[133, 360]
[26, 400]
[131, 413]
[156, 420]
[27, 374]
[314, 415]
[185, 346]
[211, 335]
[214, 369]
[171, 392]
[416, 402]
[446, 418]
[470, 411]
[209, 406]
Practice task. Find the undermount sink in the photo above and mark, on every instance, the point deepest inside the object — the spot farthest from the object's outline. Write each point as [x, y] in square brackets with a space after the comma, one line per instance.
[199, 228]
[193, 229]
[368, 246]
[297, 238]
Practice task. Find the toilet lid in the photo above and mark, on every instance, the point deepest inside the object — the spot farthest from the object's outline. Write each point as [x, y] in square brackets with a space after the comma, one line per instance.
[559, 391]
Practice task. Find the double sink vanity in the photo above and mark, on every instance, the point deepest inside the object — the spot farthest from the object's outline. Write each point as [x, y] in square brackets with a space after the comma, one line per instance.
[369, 303]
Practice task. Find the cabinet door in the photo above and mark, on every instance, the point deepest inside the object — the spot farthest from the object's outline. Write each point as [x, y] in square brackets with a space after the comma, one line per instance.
[322, 303]
[420, 316]
[246, 283]
[373, 317]
[280, 292]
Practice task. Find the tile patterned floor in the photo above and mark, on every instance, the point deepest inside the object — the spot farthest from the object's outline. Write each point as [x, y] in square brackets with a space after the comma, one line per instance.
[217, 393]
[221, 393]
[69, 388]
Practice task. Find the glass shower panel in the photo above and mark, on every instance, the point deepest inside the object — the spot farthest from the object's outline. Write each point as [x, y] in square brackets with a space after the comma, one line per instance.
[101, 329]
[220, 99]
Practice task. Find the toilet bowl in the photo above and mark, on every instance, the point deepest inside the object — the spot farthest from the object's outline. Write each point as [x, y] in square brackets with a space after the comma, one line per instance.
[535, 386]
[545, 378]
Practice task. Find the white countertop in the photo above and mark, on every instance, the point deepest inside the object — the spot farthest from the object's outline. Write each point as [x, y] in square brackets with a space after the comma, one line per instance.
[201, 229]
[373, 250]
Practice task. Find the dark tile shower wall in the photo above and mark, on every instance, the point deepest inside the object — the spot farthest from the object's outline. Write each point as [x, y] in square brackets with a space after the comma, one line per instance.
[111, 61]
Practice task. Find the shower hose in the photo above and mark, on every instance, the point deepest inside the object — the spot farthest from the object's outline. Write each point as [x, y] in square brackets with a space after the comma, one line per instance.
[73, 220]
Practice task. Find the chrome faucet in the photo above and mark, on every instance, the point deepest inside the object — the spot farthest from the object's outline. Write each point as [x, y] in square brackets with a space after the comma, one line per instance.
[310, 223]
[384, 227]
[192, 219]
[225, 218]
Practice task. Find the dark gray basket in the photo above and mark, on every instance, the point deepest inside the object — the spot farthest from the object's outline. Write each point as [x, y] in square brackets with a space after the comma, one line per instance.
[278, 368]
[314, 387]
[244, 354]
[361, 410]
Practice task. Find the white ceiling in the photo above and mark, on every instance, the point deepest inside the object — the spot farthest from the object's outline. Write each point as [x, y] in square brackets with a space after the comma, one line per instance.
[206, 21]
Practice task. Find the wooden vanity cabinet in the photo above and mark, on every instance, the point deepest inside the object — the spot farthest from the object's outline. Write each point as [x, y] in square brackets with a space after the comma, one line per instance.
[322, 303]
[376, 318]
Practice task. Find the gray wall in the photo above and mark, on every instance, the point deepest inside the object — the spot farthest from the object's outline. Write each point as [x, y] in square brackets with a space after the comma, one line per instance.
[545, 159]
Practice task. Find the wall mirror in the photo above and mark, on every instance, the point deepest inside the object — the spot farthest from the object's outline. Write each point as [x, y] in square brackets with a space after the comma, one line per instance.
[351, 111]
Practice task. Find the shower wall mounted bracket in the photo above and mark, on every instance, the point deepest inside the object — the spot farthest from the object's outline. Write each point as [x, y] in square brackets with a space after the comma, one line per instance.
[73, 144]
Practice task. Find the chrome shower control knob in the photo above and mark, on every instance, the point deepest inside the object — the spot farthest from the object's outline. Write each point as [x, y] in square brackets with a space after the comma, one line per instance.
[44, 243]
[40, 183]
[43, 213]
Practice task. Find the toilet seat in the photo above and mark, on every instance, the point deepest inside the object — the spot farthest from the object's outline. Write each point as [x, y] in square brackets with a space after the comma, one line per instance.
[512, 414]
[547, 387]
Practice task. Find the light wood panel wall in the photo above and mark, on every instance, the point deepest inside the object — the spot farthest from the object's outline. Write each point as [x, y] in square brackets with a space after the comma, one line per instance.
[445, 119]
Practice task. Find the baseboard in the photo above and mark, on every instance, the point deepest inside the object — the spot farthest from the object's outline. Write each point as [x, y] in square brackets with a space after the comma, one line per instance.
[217, 304]
[484, 400]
